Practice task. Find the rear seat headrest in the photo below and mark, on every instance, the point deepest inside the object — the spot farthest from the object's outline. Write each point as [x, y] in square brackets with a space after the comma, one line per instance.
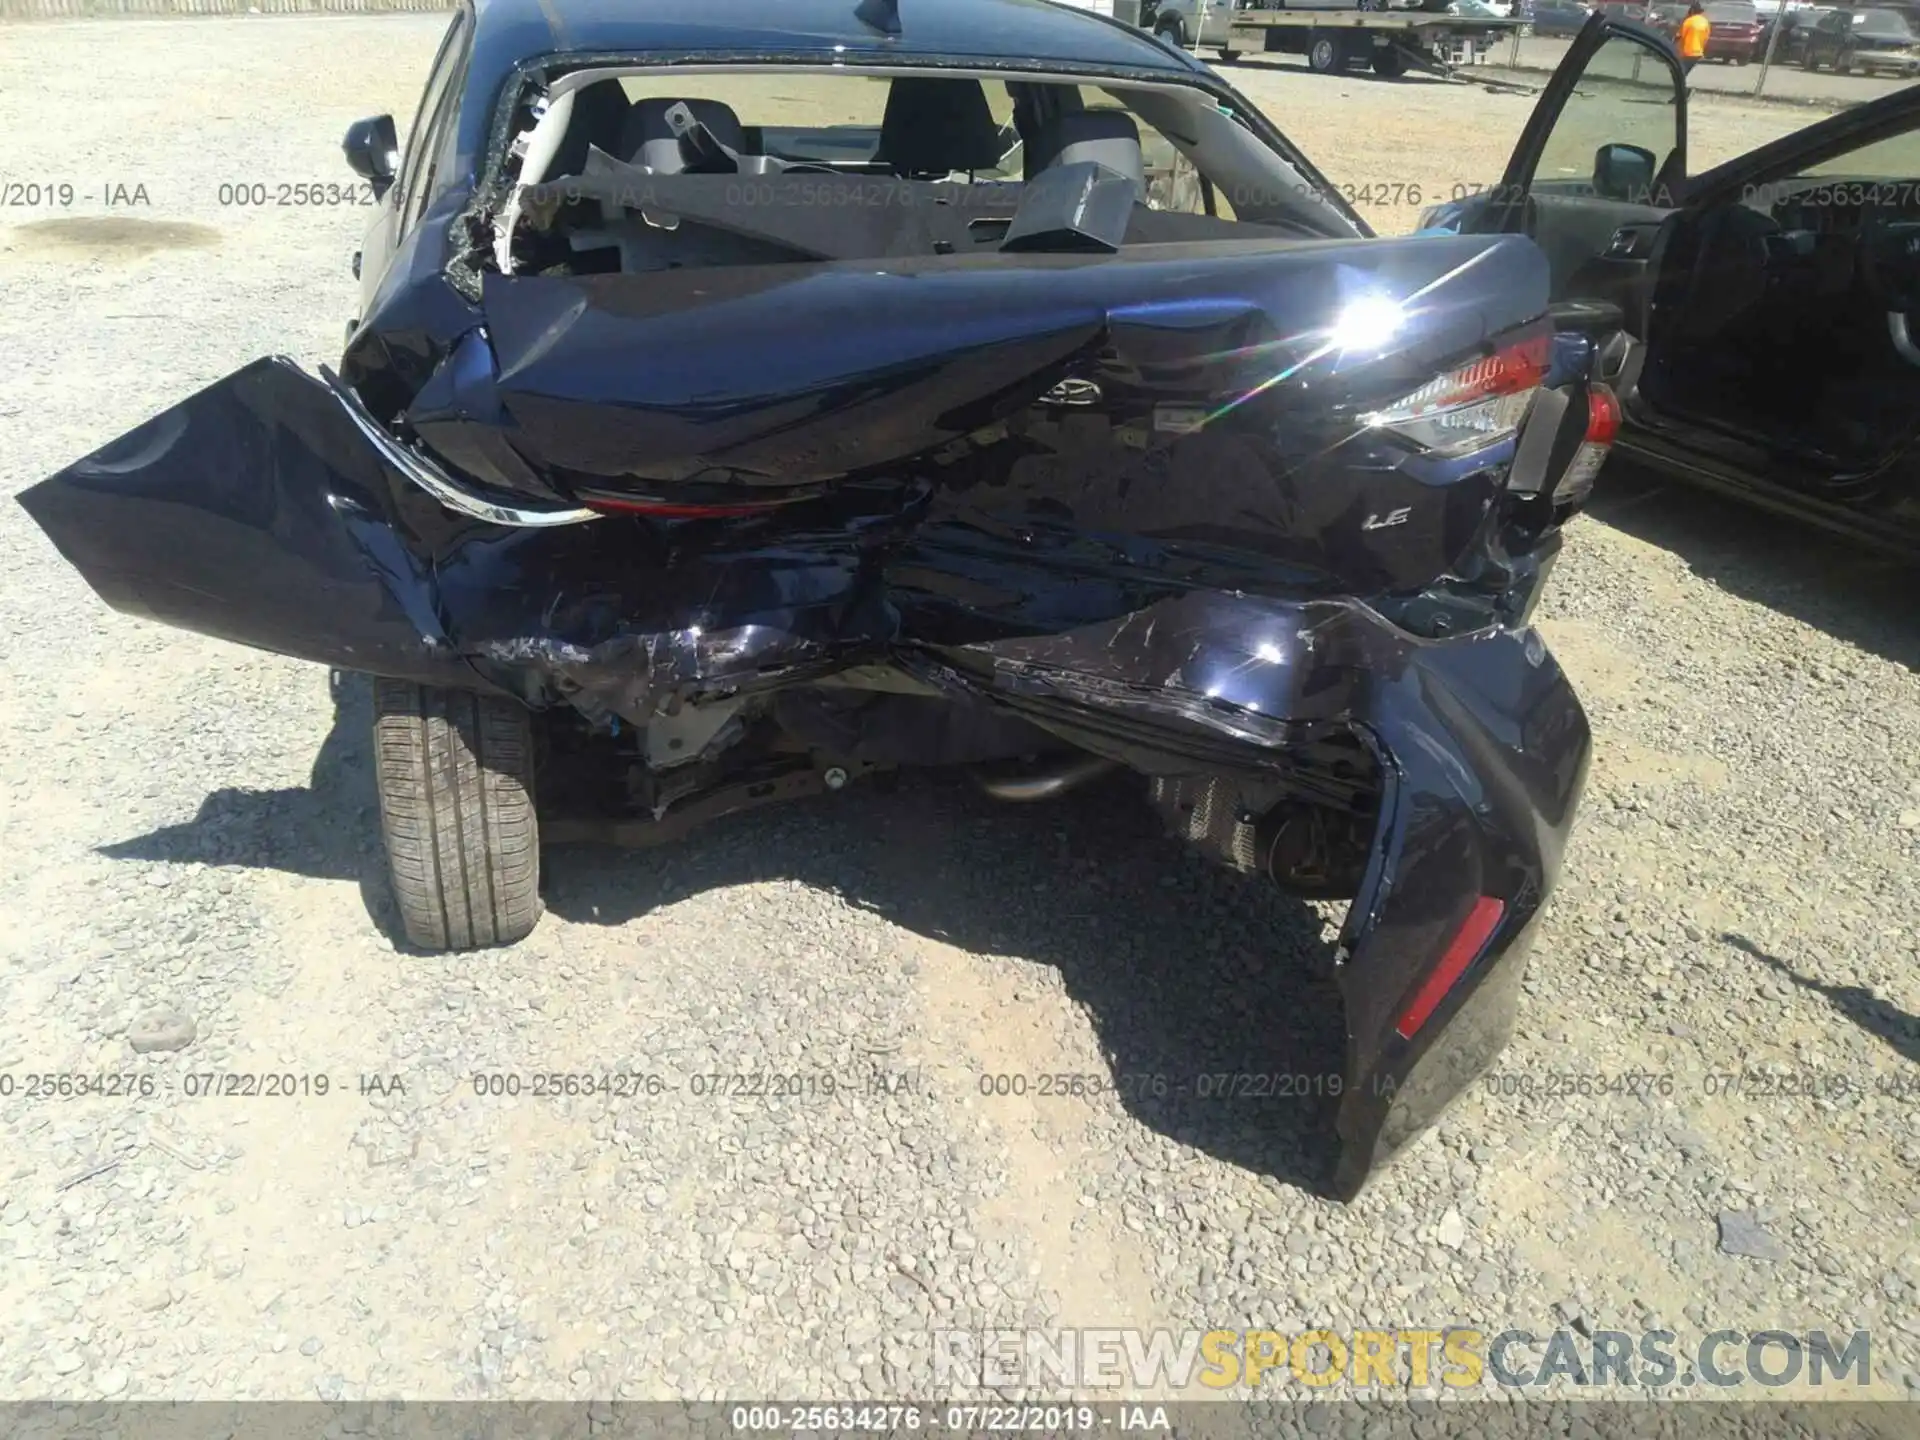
[599, 112]
[647, 139]
[935, 125]
[1105, 137]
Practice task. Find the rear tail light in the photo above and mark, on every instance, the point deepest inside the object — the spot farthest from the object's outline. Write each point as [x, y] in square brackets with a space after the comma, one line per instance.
[1473, 407]
[1469, 943]
[1603, 425]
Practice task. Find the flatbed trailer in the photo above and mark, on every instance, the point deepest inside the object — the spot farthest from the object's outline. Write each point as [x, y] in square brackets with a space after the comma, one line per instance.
[1391, 42]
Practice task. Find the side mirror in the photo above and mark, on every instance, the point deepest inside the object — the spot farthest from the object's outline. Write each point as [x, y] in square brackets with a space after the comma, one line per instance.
[373, 151]
[1624, 172]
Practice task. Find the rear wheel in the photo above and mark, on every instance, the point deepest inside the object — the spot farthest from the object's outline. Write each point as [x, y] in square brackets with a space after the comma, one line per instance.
[1323, 55]
[1389, 62]
[1169, 31]
[1229, 55]
[455, 775]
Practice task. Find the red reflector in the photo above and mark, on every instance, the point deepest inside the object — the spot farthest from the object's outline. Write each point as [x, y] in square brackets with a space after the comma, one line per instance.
[1468, 941]
[1603, 415]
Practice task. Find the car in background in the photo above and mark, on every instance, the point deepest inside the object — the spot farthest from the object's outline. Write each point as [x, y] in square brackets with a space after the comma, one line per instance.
[1872, 42]
[1662, 18]
[1180, 22]
[1795, 23]
[1735, 32]
[1554, 17]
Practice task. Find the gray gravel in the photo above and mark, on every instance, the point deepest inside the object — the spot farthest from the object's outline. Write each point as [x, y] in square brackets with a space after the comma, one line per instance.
[191, 861]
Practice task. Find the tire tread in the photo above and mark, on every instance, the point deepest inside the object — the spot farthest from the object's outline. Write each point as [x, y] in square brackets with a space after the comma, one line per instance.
[454, 772]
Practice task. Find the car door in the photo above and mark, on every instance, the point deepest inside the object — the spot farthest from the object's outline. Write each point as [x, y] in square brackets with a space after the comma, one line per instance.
[1823, 44]
[1775, 298]
[1594, 171]
[1782, 354]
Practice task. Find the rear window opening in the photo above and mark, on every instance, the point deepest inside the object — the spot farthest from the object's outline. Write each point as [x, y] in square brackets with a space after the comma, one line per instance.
[632, 170]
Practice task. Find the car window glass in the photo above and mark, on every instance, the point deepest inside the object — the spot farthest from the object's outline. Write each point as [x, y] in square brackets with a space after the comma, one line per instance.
[1625, 97]
[436, 146]
[1895, 158]
[1882, 22]
[439, 79]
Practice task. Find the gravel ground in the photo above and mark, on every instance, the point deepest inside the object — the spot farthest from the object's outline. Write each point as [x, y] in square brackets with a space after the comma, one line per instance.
[191, 851]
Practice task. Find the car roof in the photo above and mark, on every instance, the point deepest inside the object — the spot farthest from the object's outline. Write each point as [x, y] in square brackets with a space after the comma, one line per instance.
[1003, 31]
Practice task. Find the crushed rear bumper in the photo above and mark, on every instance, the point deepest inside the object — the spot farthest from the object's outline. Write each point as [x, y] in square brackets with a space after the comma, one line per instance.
[259, 511]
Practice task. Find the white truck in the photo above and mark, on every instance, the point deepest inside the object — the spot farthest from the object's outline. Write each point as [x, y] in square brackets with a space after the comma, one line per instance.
[1334, 35]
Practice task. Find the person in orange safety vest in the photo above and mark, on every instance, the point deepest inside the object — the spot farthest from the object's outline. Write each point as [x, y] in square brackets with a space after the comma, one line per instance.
[1693, 36]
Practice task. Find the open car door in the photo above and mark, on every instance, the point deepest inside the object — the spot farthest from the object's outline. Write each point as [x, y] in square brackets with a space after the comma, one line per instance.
[1596, 170]
[1760, 322]
[1603, 152]
[1782, 326]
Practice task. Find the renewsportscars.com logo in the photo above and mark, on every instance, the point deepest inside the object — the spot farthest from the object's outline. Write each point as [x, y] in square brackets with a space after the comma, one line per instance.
[1453, 1358]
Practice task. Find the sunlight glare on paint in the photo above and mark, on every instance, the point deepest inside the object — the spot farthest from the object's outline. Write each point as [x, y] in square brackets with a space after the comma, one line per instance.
[1367, 322]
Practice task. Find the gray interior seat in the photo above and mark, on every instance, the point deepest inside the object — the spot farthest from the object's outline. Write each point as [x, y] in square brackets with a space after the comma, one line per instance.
[599, 113]
[934, 125]
[647, 139]
[1105, 137]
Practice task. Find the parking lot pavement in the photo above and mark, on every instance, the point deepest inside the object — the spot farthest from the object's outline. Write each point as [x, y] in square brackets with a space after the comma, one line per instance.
[188, 856]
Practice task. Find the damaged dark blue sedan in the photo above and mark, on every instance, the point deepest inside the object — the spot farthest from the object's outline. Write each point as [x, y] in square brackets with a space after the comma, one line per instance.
[751, 397]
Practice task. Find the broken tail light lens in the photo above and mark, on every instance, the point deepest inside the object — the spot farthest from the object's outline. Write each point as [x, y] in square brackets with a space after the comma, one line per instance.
[1473, 407]
[1603, 425]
